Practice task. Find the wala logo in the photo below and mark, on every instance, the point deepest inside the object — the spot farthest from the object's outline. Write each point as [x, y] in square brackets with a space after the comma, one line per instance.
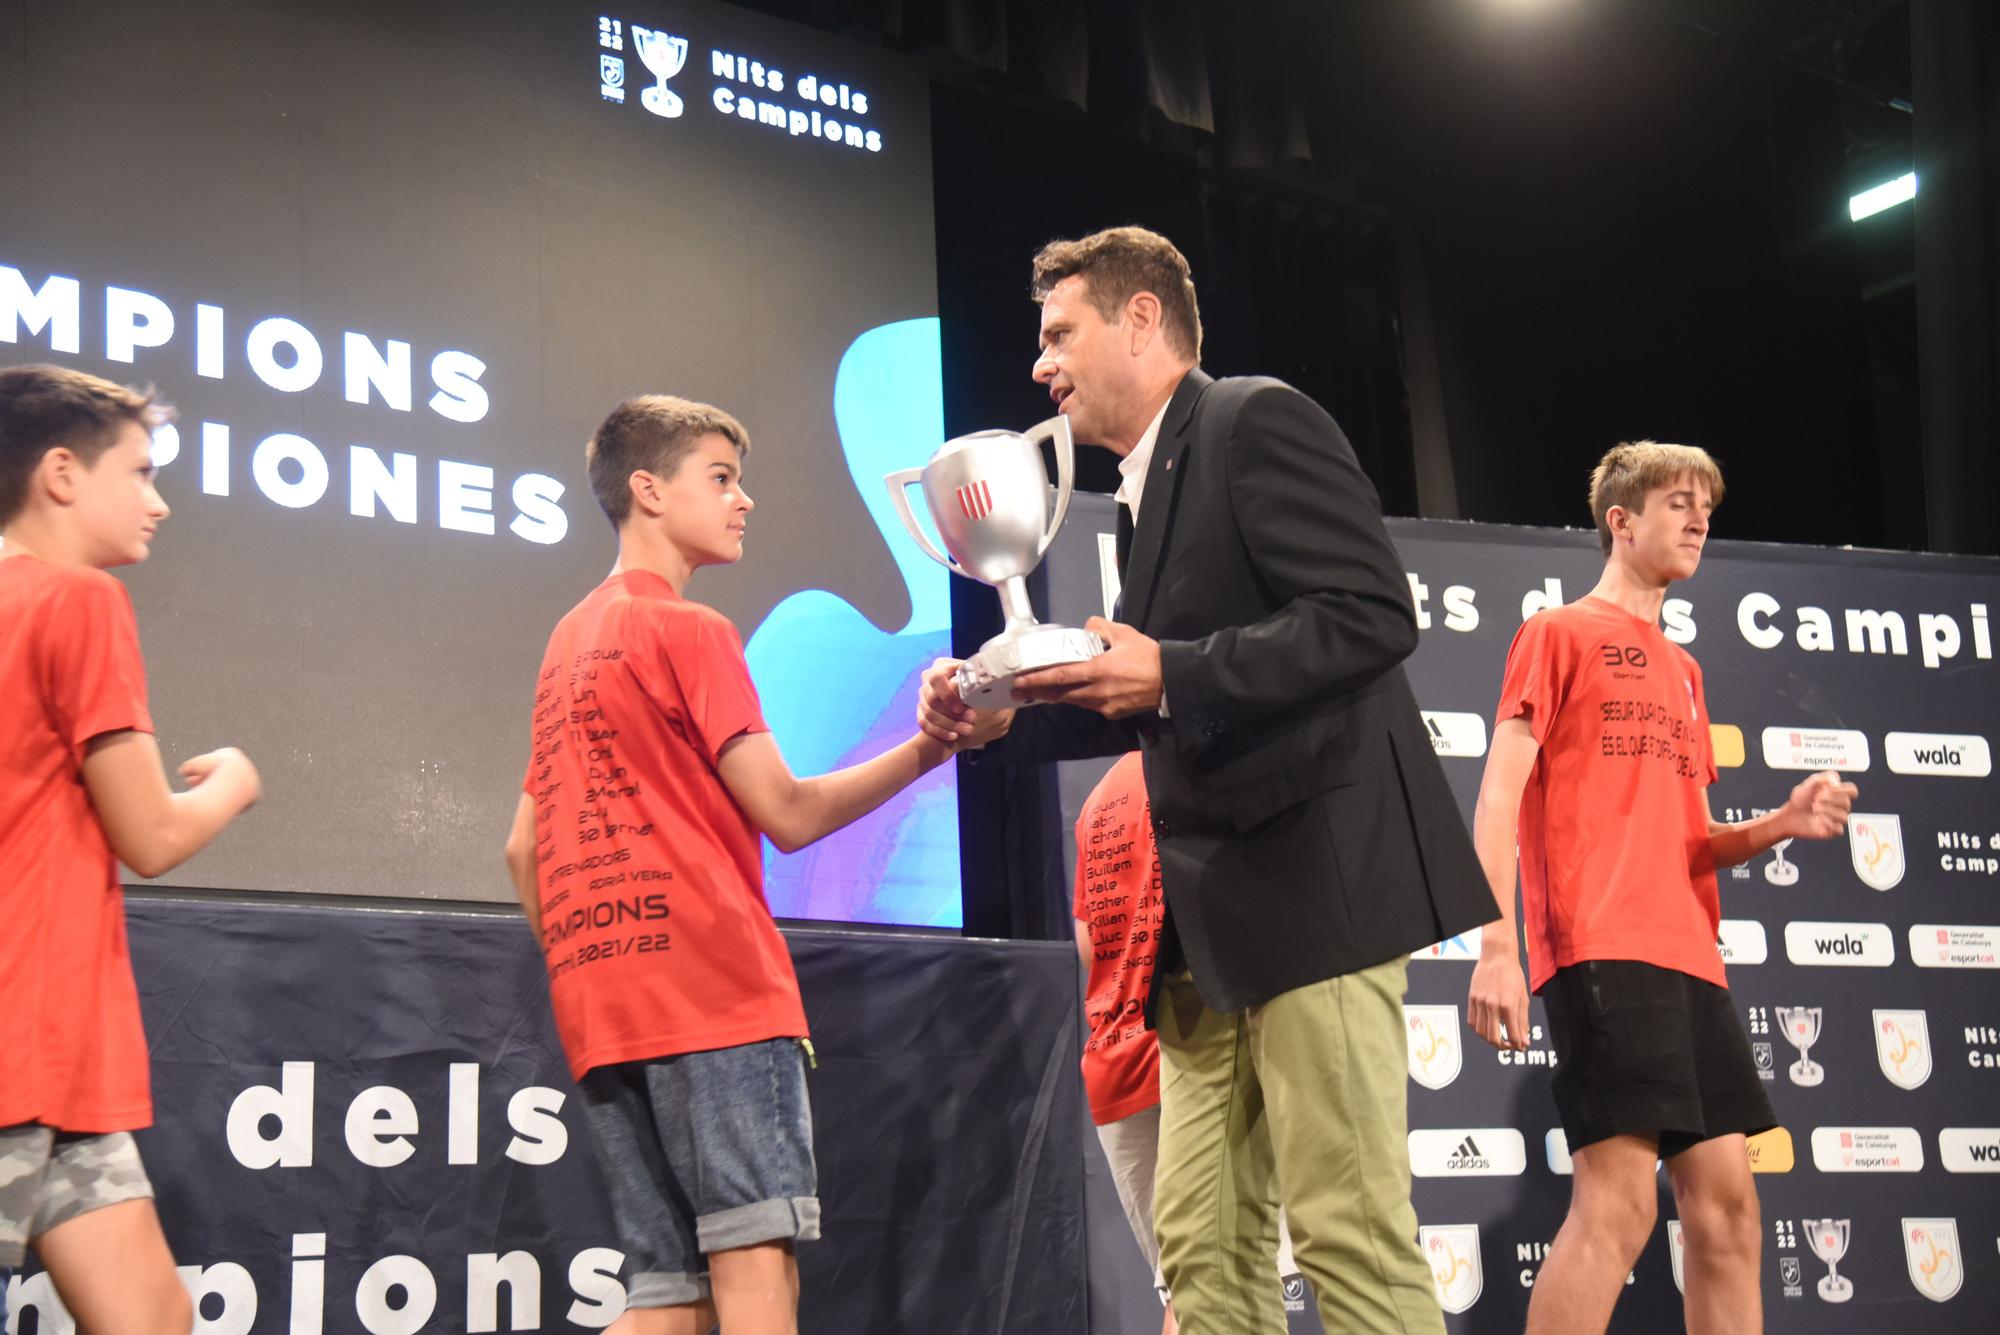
[1435, 1052]
[1931, 1246]
[1453, 1253]
[1941, 753]
[1876, 844]
[1865, 945]
[1970, 1149]
[1903, 1046]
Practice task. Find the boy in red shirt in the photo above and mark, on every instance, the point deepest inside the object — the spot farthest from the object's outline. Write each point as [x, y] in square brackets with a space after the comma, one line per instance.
[82, 788]
[637, 854]
[1599, 770]
[1119, 910]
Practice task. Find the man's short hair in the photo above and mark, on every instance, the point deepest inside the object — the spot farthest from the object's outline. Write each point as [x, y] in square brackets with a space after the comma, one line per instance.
[1633, 468]
[651, 433]
[52, 407]
[1116, 265]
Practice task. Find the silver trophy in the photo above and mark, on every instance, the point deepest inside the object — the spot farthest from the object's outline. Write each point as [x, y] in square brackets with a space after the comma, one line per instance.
[1801, 1025]
[988, 493]
[1779, 872]
[665, 56]
[1828, 1239]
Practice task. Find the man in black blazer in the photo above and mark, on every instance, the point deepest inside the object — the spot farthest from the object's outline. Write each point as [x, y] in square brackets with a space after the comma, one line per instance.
[1307, 839]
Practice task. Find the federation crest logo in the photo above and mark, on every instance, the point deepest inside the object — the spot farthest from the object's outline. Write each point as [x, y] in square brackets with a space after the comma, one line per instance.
[1876, 842]
[1677, 1249]
[1903, 1046]
[1435, 1052]
[1453, 1253]
[1931, 1247]
[1792, 1276]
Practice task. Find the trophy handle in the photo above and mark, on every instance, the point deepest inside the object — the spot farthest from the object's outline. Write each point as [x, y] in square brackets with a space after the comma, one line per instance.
[899, 495]
[1056, 429]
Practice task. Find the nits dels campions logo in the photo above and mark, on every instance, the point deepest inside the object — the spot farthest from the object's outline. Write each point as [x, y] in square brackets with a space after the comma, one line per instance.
[1436, 1053]
[1453, 1253]
[746, 88]
[1903, 1047]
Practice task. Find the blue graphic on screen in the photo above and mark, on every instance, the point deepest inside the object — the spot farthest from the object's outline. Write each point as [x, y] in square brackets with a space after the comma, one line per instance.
[837, 688]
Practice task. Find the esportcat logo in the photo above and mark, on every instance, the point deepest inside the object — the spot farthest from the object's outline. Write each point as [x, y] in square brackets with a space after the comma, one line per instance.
[1867, 1149]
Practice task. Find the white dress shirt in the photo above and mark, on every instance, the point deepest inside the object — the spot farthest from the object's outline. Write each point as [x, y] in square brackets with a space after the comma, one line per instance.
[1132, 468]
[1132, 482]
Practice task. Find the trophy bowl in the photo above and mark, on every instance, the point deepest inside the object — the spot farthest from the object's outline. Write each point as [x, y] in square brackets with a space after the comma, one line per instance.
[988, 494]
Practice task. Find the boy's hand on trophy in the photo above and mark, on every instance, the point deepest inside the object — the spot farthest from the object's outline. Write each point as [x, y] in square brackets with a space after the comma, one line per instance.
[941, 713]
[988, 725]
[1121, 681]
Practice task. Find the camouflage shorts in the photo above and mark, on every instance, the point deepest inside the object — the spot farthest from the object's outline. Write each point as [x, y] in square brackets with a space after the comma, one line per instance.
[49, 1177]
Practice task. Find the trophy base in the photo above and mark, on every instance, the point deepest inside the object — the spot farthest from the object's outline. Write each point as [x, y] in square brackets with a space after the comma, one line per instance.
[1784, 873]
[986, 680]
[1806, 1073]
[1836, 1288]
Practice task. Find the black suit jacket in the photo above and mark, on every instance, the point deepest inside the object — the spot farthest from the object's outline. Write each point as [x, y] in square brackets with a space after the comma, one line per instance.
[1304, 824]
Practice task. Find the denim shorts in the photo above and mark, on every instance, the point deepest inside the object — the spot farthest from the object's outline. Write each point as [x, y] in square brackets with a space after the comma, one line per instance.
[701, 1153]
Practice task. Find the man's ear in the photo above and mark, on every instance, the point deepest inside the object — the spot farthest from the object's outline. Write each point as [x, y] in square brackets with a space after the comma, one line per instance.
[1142, 319]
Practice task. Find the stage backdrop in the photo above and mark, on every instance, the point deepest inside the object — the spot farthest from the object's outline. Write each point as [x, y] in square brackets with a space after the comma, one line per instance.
[394, 262]
[365, 1125]
[1866, 970]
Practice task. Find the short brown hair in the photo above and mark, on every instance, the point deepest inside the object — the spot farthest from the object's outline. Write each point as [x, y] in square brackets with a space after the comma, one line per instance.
[651, 433]
[43, 408]
[1116, 265]
[1633, 468]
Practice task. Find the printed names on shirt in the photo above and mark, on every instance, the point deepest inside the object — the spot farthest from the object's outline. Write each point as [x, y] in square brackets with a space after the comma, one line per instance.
[1119, 908]
[567, 713]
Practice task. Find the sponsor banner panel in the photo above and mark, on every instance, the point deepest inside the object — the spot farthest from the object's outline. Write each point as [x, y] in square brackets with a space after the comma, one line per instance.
[1864, 968]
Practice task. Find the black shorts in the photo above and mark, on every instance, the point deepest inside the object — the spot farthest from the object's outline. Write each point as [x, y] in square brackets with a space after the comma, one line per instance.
[1642, 1050]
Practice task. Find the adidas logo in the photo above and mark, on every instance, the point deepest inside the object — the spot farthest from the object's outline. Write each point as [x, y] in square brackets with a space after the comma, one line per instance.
[1466, 1156]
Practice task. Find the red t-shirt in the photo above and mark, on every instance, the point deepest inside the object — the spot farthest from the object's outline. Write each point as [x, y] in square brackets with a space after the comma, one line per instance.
[654, 923]
[74, 1053]
[1120, 903]
[1615, 862]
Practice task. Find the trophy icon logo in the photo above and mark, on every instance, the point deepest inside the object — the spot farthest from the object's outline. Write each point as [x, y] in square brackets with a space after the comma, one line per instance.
[1828, 1239]
[1778, 871]
[1801, 1025]
[665, 56]
[1781, 872]
[988, 494]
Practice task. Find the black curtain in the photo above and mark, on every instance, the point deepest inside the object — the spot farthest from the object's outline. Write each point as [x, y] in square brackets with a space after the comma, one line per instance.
[1955, 57]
